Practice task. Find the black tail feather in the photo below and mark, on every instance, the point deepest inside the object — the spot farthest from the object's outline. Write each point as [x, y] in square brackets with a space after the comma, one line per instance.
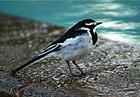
[51, 49]
[28, 63]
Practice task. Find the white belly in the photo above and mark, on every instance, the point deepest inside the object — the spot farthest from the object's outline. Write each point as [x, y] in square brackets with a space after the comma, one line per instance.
[75, 48]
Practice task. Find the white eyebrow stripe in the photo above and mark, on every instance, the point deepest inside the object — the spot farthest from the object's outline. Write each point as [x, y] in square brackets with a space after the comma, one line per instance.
[95, 23]
[92, 23]
[89, 24]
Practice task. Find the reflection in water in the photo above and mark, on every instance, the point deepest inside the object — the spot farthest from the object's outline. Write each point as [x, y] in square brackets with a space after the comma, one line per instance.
[115, 36]
[109, 9]
[119, 17]
[121, 31]
[116, 10]
[119, 25]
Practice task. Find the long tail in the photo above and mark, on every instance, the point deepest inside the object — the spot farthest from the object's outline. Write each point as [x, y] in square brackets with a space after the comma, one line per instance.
[34, 60]
[46, 54]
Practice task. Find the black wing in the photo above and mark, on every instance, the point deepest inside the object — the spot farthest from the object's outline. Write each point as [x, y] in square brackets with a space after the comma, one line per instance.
[71, 33]
[68, 34]
[52, 48]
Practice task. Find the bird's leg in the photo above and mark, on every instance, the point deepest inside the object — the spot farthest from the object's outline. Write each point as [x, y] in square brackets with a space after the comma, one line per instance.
[69, 67]
[82, 73]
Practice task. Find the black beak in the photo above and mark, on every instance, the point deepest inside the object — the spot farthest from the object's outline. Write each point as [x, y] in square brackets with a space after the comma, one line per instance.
[98, 23]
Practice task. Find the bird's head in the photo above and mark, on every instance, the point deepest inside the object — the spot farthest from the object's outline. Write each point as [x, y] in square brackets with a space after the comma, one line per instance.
[88, 23]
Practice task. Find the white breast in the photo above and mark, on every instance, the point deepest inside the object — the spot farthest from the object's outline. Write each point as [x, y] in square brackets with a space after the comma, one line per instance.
[75, 48]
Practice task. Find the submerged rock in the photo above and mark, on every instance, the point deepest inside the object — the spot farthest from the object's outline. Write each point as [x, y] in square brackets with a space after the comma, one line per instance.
[112, 68]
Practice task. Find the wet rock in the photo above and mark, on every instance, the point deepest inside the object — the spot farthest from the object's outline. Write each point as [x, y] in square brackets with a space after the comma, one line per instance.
[112, 68]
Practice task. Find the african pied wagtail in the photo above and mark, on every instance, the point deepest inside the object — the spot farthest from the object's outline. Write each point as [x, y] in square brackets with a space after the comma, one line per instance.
[73, 45]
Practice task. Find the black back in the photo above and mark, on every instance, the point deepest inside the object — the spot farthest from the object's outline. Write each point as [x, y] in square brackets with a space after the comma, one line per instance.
[73, 32]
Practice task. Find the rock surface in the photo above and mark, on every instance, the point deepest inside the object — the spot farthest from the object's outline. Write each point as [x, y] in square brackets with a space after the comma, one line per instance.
[112, 68]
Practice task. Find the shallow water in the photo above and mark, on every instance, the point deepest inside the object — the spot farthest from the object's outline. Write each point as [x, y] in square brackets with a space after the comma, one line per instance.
[120, 17]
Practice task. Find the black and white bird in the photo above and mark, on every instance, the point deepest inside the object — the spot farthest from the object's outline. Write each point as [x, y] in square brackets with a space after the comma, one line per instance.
[71, 46]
